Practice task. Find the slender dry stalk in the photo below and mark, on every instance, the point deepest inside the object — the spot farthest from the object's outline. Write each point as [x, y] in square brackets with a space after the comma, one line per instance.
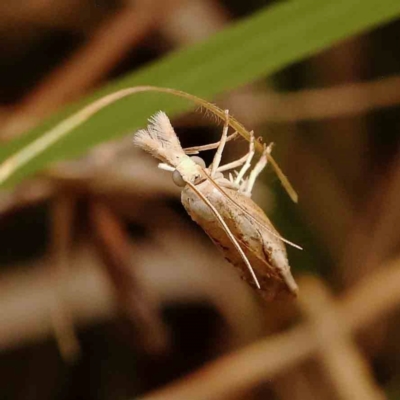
[62, 219]
[368, 301]
[235, 374]
[340, 358]
[336, 101]
[27, 296]
[375, 231]
[136, 303]
[28, 193]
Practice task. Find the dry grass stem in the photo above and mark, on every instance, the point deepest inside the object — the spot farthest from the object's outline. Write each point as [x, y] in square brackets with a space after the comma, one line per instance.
[337, 101]
[262, 361]
[342, 361]
[62, 219]
[138, 306]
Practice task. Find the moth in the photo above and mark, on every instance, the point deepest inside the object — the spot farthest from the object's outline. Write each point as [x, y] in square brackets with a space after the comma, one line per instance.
[223, 206]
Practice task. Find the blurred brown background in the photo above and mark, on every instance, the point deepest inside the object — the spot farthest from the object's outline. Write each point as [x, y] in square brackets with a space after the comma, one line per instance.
[109, 291]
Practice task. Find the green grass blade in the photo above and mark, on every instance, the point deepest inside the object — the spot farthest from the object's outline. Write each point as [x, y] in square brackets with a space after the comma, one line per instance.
[246, 51]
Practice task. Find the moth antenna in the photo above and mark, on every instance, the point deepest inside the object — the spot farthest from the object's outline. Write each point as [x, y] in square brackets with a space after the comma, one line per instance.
[296, 246]
[160, 140]
[227, 231]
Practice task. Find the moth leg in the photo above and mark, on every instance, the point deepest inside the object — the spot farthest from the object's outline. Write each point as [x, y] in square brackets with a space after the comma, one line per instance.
[218, 153]
[262, 162]
[243, 185]
[246, 160]
[242, 181]
[211, 146]
[233, 164]
[247, 163]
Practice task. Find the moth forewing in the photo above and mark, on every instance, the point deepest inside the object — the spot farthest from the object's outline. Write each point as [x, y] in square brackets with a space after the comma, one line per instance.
[227, 231]
[266, 252]
[261, 223]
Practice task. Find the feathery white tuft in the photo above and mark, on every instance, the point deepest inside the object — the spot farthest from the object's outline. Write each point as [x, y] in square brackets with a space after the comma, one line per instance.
[160, 140]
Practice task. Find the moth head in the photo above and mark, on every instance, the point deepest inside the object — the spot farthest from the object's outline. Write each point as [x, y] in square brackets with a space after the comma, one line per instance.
[189, 170]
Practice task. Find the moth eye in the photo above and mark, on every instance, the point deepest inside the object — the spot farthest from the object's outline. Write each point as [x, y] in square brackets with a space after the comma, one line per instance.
[199, 161]
[177, 178]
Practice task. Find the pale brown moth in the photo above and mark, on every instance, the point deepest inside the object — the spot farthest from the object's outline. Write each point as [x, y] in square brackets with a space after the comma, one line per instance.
[223, 207]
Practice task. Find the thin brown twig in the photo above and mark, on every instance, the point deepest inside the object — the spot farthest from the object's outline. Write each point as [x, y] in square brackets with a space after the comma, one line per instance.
[375, 230]
[342, 361]
[62, 220]
[30, 192]
[26, 296]
[337, 101]
[237, 373]
[373, 235]
[133, 298]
